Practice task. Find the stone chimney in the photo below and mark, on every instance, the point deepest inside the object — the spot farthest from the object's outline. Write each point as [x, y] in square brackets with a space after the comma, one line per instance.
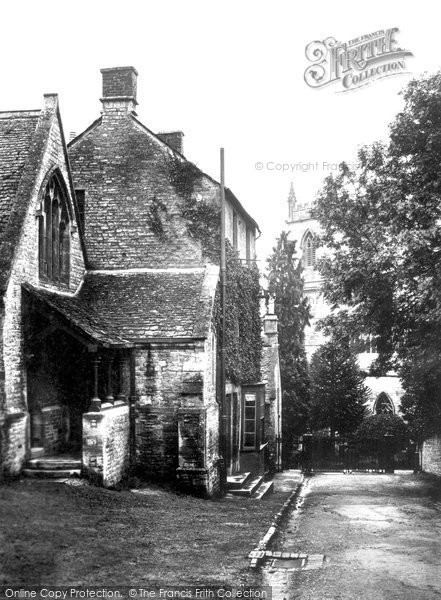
[175, 139]
[119, 90]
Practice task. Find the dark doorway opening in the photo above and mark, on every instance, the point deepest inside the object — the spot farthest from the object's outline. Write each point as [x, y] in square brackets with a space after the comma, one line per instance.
[58, 383]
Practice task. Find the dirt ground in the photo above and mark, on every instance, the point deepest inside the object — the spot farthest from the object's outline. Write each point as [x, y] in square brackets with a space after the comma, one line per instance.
[56, 534]
[377, 537]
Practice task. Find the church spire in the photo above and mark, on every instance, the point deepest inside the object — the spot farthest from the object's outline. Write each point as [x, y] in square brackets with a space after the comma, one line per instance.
[291, 202]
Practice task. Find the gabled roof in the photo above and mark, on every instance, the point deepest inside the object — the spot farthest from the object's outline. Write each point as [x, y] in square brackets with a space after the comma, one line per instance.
[89, 161]
[132, 217]
[231, 198]
[24, 136]
[17, 130]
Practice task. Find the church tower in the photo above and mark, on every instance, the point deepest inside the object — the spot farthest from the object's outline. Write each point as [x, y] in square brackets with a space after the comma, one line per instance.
[386, 390]
[302, 228]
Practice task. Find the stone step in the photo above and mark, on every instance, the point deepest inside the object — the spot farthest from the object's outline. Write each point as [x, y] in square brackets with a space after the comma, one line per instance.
[51, 473]
[249, 488]
[54, 463]
[237, 481]
[263, 490]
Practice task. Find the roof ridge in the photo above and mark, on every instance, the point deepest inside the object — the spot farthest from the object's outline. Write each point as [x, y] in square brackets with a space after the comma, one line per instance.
[20, 113]
[239, 205]
[147, 271]
[77, 138]
[176, 152]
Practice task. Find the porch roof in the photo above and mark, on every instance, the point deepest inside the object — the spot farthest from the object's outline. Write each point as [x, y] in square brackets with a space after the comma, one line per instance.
[83, 318]
[124, 309]
[145, 306]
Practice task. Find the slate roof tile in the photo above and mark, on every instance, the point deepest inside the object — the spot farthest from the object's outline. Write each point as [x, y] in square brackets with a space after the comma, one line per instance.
[127, 308]
[79, 314]
[16, 132]
[148, 305]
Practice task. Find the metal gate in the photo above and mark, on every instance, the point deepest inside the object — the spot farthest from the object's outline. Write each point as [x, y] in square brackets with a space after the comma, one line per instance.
[326, 453]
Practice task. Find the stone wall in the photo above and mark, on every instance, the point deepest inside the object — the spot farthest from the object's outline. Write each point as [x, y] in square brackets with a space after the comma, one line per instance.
[156, 441]
[191, 472]
[123, 169]
[210, 190]
[14, 442]
[106, 444]
[175, 384]
[431, 455]
[54, 428]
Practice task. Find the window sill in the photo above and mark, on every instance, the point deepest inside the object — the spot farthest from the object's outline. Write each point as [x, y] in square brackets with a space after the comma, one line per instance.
[254, 448]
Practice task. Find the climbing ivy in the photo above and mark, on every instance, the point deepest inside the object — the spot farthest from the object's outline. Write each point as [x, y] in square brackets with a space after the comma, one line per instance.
[242, 320]
[157, 210]
[202, 216]
[243, 325]
[183, 174]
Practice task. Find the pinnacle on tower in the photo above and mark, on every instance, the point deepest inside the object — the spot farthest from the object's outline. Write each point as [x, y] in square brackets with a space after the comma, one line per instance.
[292, 200]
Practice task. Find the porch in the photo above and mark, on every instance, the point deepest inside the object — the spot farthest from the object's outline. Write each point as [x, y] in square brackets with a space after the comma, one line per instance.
[77, 383]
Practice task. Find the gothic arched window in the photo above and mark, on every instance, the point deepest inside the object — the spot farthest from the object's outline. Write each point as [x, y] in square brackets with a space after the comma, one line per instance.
[384, 405]
[54, 233]
[309, 250]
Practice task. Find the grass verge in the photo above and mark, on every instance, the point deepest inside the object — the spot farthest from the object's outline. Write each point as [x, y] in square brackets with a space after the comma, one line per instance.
[56, 534]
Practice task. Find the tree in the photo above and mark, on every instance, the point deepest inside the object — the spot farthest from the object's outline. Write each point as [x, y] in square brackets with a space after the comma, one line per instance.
[285, 284]
[374, 428]
[338, 393]
[382, 223]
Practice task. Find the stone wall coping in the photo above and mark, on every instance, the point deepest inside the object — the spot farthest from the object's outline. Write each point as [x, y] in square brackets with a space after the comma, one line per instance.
[107, 407]
[93, 415]
[192, 470]
[192, 409]
[53, 407]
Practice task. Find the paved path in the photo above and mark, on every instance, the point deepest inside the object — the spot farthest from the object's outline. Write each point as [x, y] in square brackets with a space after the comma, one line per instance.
[368, 536]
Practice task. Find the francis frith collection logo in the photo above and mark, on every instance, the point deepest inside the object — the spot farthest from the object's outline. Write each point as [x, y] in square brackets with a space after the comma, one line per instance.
[354, 64]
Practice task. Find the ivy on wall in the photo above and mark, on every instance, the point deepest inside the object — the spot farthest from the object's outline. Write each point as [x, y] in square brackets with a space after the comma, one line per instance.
[242, 320]
[202, 216]
[243, 324]
[157, 211]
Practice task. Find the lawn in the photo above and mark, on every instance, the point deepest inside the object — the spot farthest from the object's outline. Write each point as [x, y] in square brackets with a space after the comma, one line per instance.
[57, 534]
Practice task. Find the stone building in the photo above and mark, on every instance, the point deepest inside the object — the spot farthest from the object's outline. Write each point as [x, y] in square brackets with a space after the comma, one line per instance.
[109, 344]
[386, 391]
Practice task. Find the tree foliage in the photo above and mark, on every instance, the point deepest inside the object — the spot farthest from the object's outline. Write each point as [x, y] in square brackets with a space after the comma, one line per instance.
[285, 284]
[382, 223]
[375, 427]
[338, 393]
[377, 430]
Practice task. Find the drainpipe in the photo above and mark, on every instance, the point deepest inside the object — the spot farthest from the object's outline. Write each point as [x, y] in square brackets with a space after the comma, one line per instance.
[223, 275]
[132, 407]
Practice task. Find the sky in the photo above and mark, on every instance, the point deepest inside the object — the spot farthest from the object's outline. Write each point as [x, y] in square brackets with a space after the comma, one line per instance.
[228, 74]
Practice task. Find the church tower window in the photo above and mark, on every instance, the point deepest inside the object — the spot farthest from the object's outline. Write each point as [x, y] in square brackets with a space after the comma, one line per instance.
[309, 249]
